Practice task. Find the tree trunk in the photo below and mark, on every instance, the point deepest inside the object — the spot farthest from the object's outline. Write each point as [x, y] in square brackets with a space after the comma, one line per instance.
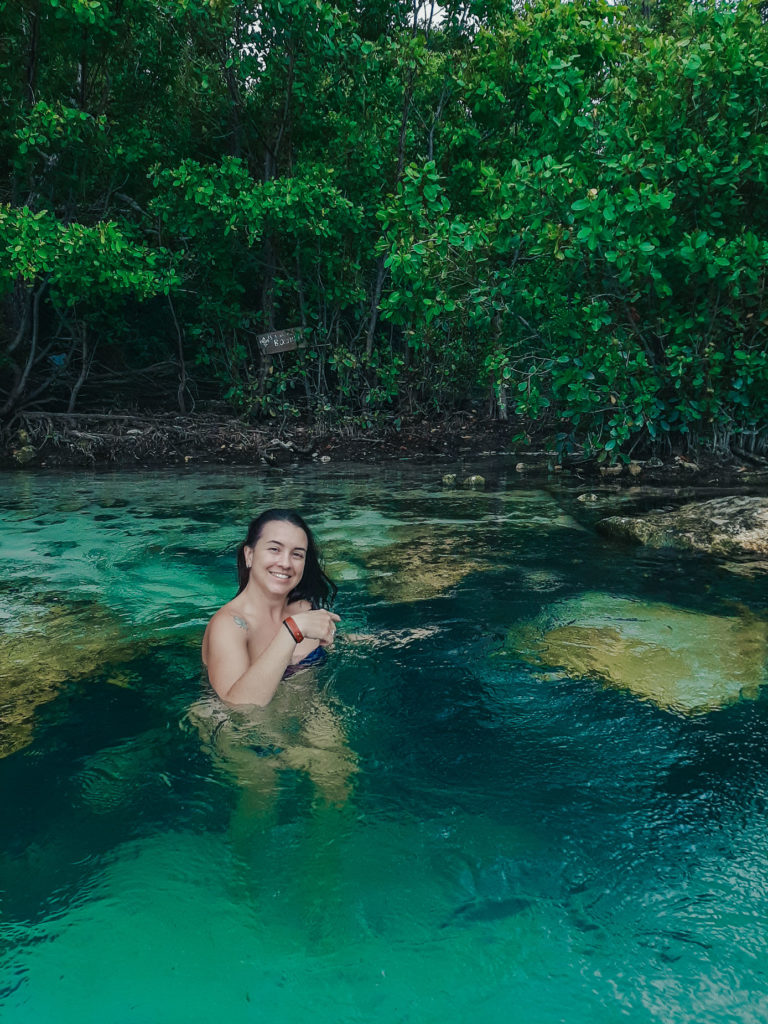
[31, 69]
[22, 375]
[86, 359]
[380, 268]
[180, 394]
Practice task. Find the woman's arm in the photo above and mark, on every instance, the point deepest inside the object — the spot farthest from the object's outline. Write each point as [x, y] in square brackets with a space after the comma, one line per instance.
[230, 671]
[238, 680]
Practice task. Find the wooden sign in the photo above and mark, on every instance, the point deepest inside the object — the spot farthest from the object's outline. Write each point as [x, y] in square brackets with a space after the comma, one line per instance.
[280, 341]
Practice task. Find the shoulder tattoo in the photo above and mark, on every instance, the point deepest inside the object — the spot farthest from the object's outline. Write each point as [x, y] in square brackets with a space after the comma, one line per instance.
[240, 622]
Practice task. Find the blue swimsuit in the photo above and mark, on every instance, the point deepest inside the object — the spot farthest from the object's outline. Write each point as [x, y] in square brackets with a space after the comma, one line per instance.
[315, 657]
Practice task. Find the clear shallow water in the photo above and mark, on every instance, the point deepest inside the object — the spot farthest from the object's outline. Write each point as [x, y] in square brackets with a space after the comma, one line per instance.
[451, 832]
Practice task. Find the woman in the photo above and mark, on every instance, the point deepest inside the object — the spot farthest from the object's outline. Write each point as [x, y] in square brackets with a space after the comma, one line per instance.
[277, 620]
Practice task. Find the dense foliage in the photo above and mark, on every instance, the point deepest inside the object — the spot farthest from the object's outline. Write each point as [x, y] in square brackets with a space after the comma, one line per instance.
[559, 209]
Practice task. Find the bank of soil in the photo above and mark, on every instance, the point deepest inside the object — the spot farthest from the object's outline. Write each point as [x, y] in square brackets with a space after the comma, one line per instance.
[125, 439]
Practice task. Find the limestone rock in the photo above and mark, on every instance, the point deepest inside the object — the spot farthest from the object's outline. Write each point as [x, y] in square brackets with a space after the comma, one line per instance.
[758, 478]
[752, 569]
[420, 563]
[48, 646]
[278, 453]
[475, 481]
[449, 480]
[730, 527]
[682, 660]
[23, 455]
[418, 569]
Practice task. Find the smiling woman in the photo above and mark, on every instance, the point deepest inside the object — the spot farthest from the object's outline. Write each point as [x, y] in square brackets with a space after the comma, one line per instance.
[279, 621]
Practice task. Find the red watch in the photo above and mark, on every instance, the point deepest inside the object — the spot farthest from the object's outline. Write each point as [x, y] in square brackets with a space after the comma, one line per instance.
[293, 629]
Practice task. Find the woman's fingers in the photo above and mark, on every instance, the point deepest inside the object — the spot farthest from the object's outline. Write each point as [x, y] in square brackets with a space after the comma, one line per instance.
[331, 629]
[318, 625]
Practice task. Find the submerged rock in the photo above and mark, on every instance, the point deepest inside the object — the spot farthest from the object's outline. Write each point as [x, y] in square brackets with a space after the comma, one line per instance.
[49, 645]
[749, 569]
[420, 567]
[729, 527]
[426, 559]
[681, 660]
[474, 482]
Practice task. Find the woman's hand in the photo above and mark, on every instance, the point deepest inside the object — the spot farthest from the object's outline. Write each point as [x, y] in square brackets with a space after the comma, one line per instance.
[317, 625]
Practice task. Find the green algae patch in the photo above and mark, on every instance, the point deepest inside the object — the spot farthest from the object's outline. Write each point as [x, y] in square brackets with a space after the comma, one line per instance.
[682, 660]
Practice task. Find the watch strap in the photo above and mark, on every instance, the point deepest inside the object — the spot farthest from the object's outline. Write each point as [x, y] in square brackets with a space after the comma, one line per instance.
[293, 629]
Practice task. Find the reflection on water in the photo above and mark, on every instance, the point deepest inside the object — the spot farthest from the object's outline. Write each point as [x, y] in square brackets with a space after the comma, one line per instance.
[455, 818]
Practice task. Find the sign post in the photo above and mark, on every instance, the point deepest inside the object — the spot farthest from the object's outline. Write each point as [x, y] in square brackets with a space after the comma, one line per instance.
[280, 341]
[271, 344]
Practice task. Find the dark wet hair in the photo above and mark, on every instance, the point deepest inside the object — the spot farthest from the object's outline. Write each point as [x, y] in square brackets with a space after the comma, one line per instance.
[314, 585]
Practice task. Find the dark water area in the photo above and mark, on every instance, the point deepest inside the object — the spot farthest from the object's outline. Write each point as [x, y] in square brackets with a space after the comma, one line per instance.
[530, 783]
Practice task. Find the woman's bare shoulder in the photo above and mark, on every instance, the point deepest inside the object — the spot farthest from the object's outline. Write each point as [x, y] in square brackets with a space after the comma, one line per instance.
[228, 620]
[225, 627]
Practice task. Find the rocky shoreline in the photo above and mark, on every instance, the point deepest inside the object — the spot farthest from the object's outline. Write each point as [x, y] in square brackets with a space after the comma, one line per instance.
[111, 440]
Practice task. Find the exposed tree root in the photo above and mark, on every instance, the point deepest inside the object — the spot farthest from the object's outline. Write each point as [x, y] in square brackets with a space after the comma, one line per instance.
[122, 439]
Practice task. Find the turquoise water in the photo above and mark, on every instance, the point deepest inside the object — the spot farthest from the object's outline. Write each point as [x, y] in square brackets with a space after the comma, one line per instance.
[439, 828]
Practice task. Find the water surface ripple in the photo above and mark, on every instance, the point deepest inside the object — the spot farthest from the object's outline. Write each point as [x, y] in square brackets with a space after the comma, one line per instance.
[480, 809]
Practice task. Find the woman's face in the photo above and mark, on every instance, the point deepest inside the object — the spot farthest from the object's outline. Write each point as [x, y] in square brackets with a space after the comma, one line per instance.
[276, 561]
